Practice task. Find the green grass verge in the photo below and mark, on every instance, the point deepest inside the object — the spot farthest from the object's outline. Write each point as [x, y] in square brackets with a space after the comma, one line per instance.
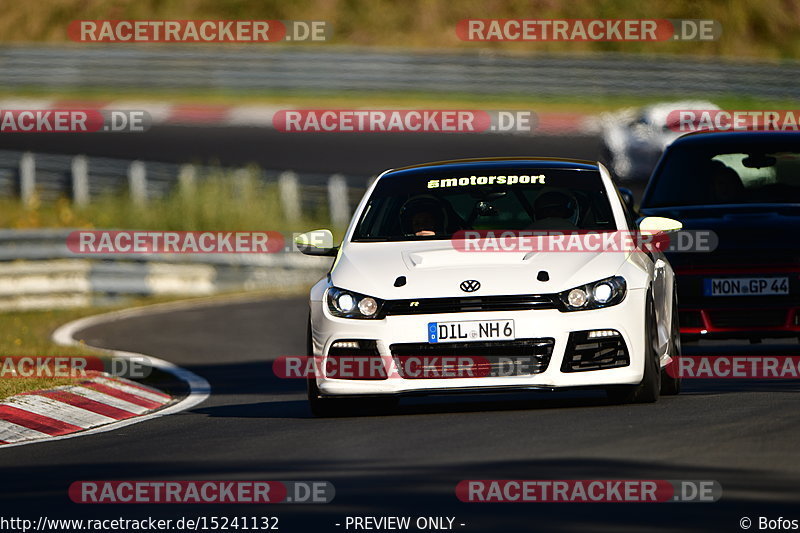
[407, 99]
[224, 201]
[28, 334]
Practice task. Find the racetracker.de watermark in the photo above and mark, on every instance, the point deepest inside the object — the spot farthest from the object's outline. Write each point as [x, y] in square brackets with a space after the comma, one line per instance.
[588, 30]
[584, 241]
[175, 242]
[72, 366]
[198, 31]
[735, 367]
[689, 120]
[404, 121]
[377, 367]
[74, 121]
[201, 492]
[587, 491]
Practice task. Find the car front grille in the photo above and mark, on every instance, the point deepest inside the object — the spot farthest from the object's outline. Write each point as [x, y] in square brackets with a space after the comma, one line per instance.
[747, 318]
[691, 319]
[521, 357]
[424, 306]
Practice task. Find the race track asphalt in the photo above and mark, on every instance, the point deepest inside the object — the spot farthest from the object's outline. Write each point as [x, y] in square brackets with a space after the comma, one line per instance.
[257, 426]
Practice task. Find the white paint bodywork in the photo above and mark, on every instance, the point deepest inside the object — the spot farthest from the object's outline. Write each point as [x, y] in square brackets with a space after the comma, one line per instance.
[435, 269]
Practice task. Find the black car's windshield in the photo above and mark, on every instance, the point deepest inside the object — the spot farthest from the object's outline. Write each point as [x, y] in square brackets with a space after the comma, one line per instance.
[726, 174]
[436, 205]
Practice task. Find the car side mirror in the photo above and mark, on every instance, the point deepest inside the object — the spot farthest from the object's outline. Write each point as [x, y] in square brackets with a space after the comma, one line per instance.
[318, 242]
[627, 197]
[655, 225]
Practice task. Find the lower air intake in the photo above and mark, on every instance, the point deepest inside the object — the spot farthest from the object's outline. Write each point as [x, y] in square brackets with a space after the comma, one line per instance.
[584, 353]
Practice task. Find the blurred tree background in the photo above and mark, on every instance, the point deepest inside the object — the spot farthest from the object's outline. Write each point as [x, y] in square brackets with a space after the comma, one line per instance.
[751, 28]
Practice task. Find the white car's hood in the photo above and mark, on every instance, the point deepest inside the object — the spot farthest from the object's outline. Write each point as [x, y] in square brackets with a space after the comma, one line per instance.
[436, 269]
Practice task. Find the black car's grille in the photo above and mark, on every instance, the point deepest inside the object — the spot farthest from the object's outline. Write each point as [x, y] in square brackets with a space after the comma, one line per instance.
[751, 257]
[521, 357]
[425, 306]
[691, 319]
[747, 318]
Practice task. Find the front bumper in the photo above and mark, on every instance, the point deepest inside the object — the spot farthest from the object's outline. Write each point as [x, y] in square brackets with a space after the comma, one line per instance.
[732, 322]
[626, 317]
[731, 317]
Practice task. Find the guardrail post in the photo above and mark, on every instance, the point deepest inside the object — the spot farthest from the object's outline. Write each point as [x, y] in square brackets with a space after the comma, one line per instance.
[80, 181]
[289, 191]
[241, 181]
[27, 178]
[338, 200]
[137, 182]
[187, 179]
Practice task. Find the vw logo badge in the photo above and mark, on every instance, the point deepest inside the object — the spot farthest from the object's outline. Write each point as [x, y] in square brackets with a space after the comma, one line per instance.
[470, 285]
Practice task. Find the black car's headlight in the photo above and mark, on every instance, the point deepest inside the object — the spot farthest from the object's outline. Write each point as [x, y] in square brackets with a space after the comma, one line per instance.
[349, 304]
[603, 293]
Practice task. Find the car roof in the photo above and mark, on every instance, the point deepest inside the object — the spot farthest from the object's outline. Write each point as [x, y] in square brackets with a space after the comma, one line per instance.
[490, 163]
[661, 110]
[714, 137]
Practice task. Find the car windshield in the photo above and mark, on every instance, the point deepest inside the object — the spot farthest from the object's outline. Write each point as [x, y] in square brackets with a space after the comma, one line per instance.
[437, 204]
[726, 174]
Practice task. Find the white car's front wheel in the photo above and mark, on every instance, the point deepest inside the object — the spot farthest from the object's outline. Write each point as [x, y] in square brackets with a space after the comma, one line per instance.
[648, 390]
[671, 385]
[325, 407]
[328, 407]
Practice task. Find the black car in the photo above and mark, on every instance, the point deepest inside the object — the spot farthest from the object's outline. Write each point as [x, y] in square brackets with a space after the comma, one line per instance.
[745, 187]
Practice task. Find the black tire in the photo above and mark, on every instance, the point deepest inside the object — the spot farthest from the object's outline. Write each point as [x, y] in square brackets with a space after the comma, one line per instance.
[671, 386]
[326, 407]
[323, 407]
[647, 391]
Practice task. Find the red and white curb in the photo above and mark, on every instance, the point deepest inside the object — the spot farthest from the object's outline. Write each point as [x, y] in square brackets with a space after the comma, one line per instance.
[102, 403]
[93, 402]
[549, 123]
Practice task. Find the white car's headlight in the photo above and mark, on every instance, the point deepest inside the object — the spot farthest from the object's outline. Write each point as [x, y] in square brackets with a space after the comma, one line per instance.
[602, 293]
[349, 304]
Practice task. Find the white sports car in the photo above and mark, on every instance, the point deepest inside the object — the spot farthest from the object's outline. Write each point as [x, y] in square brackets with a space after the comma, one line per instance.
[419, 301]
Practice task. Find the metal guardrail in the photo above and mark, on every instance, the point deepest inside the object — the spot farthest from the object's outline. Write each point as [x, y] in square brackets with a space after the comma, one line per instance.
[37, 271]
[316, 69]
[23, 174]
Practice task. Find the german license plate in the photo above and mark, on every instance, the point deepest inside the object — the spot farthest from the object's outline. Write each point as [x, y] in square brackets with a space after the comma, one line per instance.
[471, 331]
[746, 286]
